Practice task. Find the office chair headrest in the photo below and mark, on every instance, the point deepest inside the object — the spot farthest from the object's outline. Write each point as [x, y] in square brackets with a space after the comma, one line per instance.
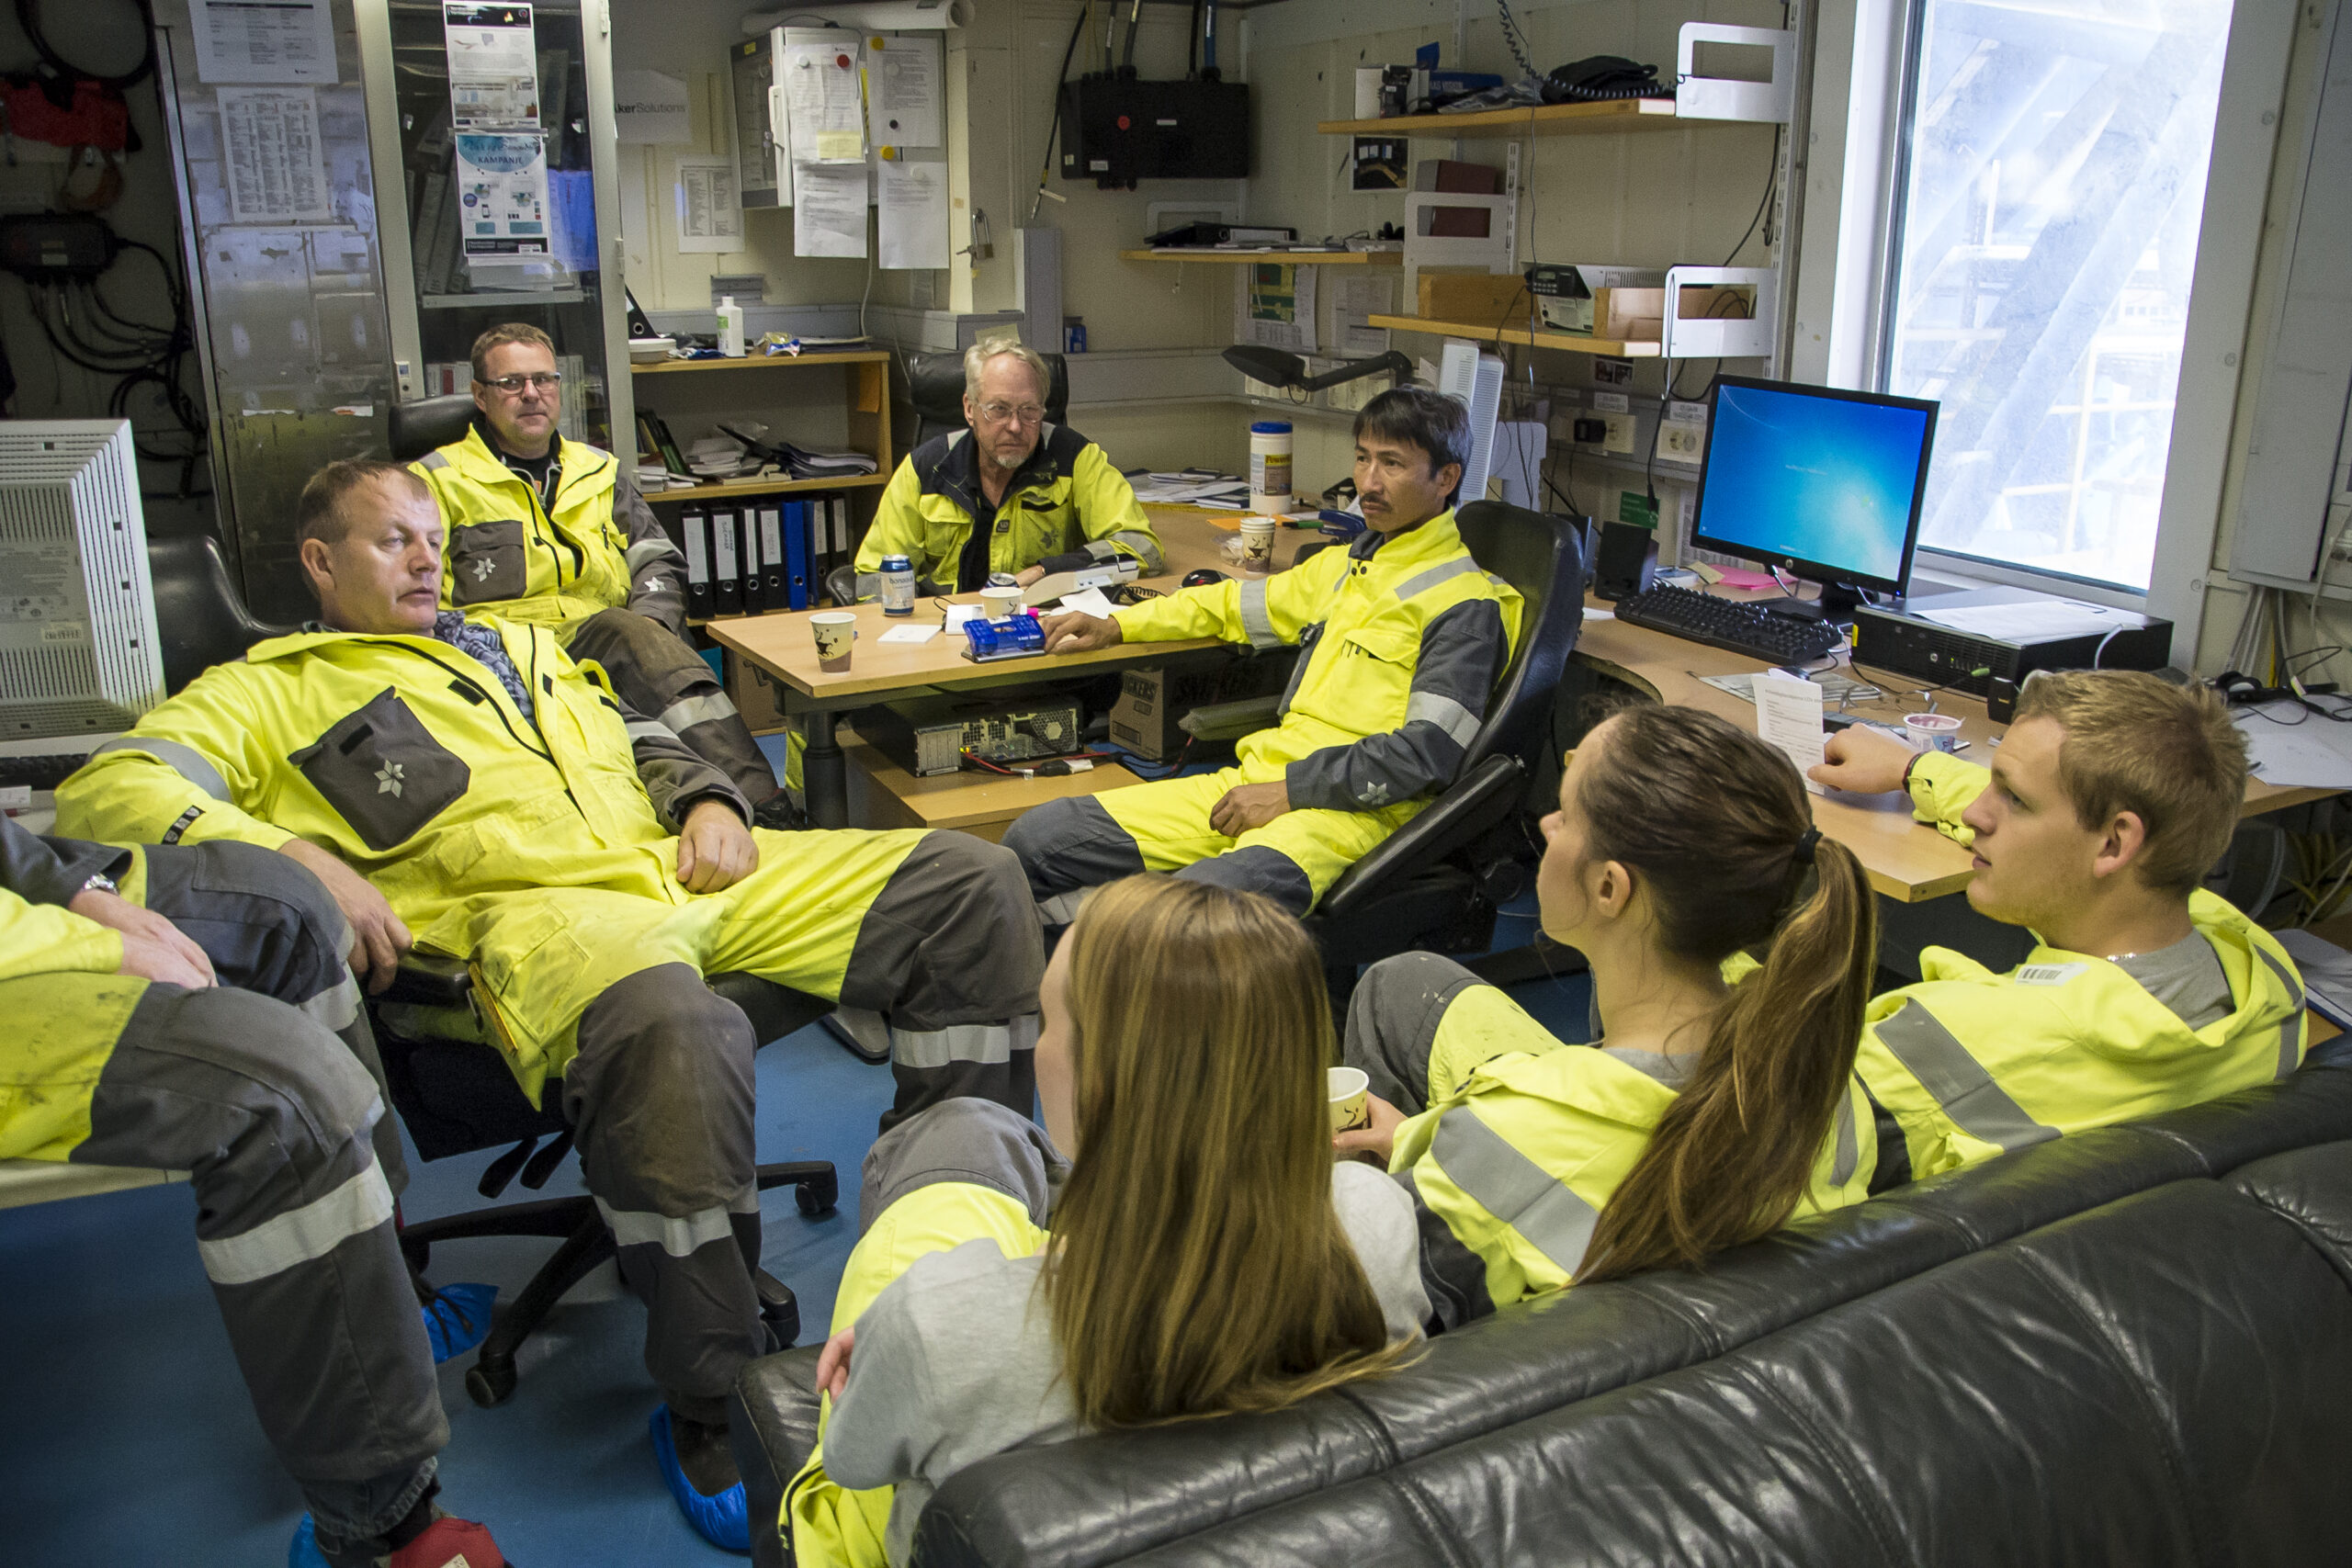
[936, 386]
[419, 427]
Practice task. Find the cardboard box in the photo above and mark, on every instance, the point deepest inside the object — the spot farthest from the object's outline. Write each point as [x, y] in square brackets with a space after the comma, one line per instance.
[1573, 299]
[1151, 701]
[757, 694]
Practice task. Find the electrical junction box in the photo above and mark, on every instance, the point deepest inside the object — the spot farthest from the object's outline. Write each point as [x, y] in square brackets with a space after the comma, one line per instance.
[1119, 130]
[42, 247]
[928, 736]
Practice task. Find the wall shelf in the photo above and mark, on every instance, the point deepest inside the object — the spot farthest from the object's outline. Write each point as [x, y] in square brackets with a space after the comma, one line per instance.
[1293, 258]
[731, 487]
[1573, 343]
[1609, 118]
[749, 361]
[499, 300]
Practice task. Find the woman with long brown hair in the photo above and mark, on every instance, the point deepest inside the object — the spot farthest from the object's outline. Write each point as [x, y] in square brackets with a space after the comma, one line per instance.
[1721, 1101]
[1202, 1254]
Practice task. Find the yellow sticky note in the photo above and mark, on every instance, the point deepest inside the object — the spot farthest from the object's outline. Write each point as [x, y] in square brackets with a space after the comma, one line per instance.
[839, 146]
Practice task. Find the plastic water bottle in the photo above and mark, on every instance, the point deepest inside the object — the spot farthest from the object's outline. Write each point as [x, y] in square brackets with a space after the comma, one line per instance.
[898, 585]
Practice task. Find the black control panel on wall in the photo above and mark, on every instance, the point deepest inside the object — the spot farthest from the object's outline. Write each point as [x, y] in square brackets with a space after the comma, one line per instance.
[1118, 129]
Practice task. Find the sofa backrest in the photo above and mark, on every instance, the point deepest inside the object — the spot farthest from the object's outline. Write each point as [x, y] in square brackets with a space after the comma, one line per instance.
[2118, 1346]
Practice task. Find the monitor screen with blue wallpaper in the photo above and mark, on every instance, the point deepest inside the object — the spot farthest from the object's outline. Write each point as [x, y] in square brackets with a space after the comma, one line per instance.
[1823, 480]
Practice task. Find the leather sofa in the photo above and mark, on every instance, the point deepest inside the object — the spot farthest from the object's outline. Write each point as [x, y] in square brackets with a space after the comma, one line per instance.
[2133, 1346]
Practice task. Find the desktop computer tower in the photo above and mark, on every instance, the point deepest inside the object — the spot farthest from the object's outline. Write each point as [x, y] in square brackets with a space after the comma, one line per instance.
[1905, 642]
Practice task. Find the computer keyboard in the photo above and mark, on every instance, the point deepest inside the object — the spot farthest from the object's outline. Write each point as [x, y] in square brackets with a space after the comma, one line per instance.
[1742, 626]
[43, 771]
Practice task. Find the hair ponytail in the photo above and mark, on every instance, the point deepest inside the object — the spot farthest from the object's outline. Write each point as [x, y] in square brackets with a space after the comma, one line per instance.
[1734, 1154]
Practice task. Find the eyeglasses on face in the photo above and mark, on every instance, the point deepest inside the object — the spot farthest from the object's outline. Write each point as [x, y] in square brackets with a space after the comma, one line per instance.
[545, 382]
[1004, 413]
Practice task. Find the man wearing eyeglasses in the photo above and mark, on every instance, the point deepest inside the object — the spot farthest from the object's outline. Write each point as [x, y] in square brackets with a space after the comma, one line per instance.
[1012, 493]
[547, 530]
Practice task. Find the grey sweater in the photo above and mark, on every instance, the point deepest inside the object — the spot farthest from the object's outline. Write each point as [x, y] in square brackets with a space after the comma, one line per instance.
[955, 1360]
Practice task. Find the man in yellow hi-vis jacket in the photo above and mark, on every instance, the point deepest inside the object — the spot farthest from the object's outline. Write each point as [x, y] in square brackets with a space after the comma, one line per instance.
[464, 781]
[1012, 494]
[2109, 797]
[191, 1009]
[1402, 637]
[547, 531]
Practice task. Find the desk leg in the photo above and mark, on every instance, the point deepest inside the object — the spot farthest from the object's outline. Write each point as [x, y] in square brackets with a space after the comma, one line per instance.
[824, 778]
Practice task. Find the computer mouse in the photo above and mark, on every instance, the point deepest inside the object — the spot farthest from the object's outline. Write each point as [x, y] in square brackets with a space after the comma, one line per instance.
[1203, 576]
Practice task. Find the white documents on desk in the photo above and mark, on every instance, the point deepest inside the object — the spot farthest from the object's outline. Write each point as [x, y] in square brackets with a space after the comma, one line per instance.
[909, 634]
[2292, 747]
[1787, 717]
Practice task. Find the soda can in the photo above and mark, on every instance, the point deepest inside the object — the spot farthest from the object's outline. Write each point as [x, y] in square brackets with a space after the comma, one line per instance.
[898, 585]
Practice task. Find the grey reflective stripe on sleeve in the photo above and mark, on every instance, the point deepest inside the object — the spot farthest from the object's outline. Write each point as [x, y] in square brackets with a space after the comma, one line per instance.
[1514, 1189]
[315, 1229]
[646, 550]
[1849, 1152]
[186, 761]
[2290, 1032]
[1145, 551]
[1445, 572]
[1434, 707]
[333, 1009]
[1101, 549]
[1977, 1106]
[433, 462]
[1255, 618]
[982, 1043]
[680, 1238]
[649, 730]
[687, 712]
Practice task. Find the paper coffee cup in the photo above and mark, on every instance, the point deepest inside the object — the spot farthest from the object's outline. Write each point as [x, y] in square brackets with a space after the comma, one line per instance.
[1258, 545]
[834, 631]
[1351, 1099]
[1000, 602]
[1931, 731]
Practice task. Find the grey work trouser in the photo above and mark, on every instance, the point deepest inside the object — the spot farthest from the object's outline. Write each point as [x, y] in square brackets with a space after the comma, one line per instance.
[1392, 1020]
[278, 1123]
[975, 1141]
[656, 673]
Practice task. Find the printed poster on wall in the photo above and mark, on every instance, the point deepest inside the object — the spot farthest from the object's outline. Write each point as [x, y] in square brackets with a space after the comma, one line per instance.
[494, 66]
[269, 143]
[503, 195]
[1274, 306]
[264, 40]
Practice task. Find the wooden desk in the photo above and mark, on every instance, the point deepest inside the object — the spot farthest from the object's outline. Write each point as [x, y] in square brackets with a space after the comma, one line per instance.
[1906, 860]
[880, 671]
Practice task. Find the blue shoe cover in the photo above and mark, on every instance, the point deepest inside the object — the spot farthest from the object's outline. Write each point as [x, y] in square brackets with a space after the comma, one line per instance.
[458, 1318]
[724, 1520]
[304, 1552]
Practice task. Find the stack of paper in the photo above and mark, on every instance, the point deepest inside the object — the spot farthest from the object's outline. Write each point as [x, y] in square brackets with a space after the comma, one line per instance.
[806, 463]
[720, 458]
[1191, 487]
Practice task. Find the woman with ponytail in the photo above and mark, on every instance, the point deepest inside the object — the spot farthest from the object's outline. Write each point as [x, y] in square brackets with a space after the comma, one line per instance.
[1732, 950]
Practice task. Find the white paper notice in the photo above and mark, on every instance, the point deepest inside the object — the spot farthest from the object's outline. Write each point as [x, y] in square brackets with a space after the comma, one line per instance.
[651, 109]
[269, 138]
[1352, 301]
[1088, 601]
[905, 81]
[493, 65]
[503, 194]
[828, 209]
[909, 634]
[910, 213]
[264, 40]
[822, 105]
[1788, 718]
[710, 205]
[1274, 306]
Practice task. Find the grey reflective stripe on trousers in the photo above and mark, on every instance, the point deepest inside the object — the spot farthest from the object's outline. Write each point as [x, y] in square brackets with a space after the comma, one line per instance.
[1255, 618]
[646, 550]
[650, 729]
[2290, 1032]
[680, 1236]
[982, 1043]
[687, 712]
[1977, 1106]
[186, 761]
[315, 1229]
[1444, 573]
[1514, 1189]
[1435, 707]
[1849, 1152]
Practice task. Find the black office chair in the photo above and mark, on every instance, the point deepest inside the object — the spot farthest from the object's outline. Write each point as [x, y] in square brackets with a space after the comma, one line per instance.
[935, 388]
[429, 423]
[1436, 881]
[200, 617]
[455, 1096]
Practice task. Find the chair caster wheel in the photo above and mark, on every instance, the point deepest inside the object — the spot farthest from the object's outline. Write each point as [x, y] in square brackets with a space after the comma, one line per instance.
[490, 1386]
[817, 1196]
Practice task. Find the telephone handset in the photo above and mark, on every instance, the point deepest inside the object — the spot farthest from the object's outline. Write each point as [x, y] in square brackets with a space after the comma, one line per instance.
[1602, 77]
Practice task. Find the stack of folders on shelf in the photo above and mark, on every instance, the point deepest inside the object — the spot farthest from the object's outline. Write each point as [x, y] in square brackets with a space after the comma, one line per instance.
[750, 557]
[660, 464]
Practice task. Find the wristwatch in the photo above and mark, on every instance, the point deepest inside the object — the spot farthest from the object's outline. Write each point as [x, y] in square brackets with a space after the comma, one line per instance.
[1907, 771]
[101, 883]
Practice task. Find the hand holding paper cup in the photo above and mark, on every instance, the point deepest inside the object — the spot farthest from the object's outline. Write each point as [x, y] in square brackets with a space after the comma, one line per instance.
[1350, 1092]
[1931, 731]
[834, 631]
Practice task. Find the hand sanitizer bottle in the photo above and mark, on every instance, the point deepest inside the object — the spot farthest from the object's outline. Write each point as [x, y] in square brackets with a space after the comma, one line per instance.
[730, 327]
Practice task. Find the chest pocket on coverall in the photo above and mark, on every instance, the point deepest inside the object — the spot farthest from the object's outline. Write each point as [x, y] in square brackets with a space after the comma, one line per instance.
[1374, 668]
[383, 772]
[486, 563]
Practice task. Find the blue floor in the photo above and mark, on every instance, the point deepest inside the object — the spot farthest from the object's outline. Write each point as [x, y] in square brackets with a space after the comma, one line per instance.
[128, 1438]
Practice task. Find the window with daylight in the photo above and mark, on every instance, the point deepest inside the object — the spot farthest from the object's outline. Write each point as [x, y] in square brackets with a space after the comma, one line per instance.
[2055, 154]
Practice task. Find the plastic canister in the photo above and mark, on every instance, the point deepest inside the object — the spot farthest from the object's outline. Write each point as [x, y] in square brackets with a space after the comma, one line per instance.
[898, 585]
[1270, 444]
[730, 327]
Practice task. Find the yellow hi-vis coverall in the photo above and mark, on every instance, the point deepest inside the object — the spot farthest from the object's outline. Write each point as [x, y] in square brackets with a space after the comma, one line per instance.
[1972, 1063]
[278, 1123]
[529, 829]
[1401, 639]
[1067, 507]
[1514, 1141]
[596, 567]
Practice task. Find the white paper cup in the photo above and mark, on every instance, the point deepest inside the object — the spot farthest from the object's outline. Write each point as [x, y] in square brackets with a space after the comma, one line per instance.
[834, 631]
[1000, 602]
[1258, 545]
[1351, 1099]
[1931, 731]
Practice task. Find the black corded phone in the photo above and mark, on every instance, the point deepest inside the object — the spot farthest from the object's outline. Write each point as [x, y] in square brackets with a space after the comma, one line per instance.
[1602, 77]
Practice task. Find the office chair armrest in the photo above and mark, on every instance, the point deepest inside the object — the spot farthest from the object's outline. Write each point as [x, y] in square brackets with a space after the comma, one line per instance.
[1471, 807]
[772, 1426]
[429, 980]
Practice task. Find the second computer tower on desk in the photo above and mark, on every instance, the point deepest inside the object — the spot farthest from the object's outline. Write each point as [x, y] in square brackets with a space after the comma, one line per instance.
[2009, 646]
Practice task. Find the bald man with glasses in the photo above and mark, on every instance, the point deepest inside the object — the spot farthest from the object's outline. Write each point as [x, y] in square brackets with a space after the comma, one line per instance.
[1012, 494]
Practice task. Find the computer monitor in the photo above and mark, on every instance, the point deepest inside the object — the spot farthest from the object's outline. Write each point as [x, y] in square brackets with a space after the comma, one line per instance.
[1820, 481]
